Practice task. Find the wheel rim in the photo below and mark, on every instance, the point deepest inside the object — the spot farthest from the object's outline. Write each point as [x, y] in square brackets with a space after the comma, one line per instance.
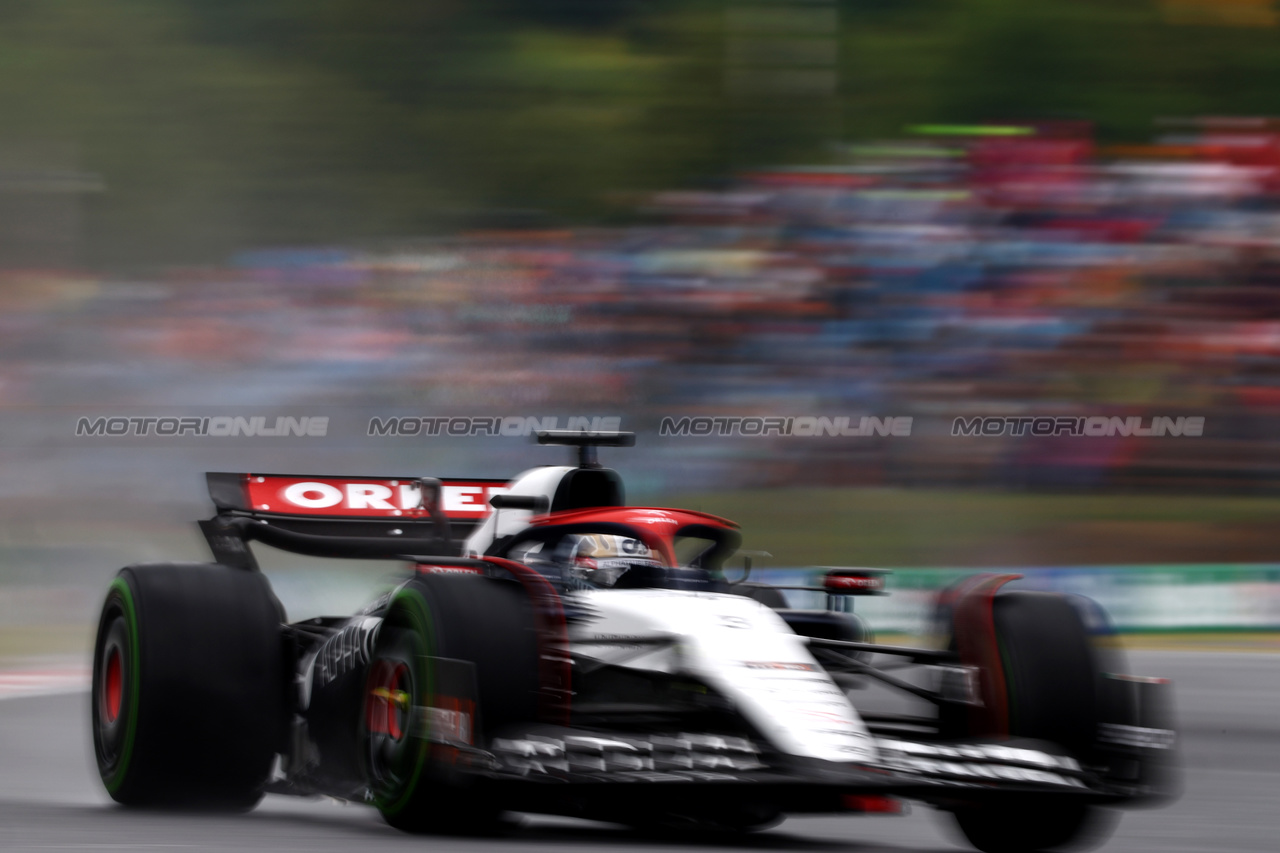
[389, 703]
[389, 700]
[396, 749]
[112, 686]
[113, 677]
[398, 703]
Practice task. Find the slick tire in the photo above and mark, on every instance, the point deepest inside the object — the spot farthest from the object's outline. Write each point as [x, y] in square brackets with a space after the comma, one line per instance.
[1052, 674]
[487, 628]
[1052, 679]
[1036, 825]
[188, 691]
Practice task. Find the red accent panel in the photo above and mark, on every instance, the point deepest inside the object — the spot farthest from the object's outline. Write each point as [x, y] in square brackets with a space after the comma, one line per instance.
[365, 497]
[643, 516]
[556, 674]
[654, 526]
[872, 804]
[976, 641]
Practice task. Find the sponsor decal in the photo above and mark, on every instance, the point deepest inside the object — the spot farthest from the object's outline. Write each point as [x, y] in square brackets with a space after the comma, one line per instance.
[787, 666]
[349, 649]
[623, 638]
[515, 426]
[445, 723]
[866, 583]
[219, 426]
[1136, 736]
[601, 546]
[1083, 426]
[650, 516]
[801, 427]
[448, 570]
[367, 497]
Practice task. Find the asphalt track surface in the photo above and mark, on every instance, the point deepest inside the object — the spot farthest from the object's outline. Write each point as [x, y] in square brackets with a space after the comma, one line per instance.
[1229, 707]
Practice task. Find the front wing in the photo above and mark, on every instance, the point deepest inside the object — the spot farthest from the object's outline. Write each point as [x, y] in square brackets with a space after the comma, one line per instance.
[536, 770]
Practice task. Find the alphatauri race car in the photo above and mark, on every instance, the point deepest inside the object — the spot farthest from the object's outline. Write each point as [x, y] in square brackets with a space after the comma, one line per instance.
[553, 650]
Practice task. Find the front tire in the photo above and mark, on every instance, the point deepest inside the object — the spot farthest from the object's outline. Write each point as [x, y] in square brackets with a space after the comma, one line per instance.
[1035, 825]
[486, 628]
[187, 701]
[1052, 674]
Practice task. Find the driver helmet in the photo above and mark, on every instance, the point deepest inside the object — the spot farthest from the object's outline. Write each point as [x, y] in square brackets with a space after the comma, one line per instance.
[602, 558]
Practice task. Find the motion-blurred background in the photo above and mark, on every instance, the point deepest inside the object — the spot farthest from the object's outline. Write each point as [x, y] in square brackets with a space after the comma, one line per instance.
[645, 209]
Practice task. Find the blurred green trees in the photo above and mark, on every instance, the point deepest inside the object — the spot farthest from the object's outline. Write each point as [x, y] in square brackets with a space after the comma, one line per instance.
[222, 124]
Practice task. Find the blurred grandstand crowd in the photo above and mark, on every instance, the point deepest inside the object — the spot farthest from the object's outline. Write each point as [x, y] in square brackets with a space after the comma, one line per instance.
[1011, 270]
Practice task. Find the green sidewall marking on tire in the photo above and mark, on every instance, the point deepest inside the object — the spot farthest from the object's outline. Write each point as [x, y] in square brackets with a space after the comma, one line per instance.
[120, 587]
[415, 606]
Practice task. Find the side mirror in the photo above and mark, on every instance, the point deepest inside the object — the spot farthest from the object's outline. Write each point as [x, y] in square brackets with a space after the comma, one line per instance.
[747, 563]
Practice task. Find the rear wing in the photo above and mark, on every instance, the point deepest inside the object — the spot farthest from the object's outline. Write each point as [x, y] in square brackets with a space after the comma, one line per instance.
[360, 517]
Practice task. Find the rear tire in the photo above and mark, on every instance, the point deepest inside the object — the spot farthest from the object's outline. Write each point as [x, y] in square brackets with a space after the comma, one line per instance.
[1052, 677]
[188, 694]
[420, 785]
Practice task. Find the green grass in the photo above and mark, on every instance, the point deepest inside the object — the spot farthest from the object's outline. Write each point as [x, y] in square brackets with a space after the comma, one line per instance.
[875, 527]
[18, 642]
[895, 528]
[899, 527]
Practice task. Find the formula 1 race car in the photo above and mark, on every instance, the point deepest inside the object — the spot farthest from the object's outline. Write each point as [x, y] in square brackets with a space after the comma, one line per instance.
[556, 651]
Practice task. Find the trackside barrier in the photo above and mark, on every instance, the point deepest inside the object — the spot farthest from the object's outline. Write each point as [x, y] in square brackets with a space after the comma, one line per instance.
[1208, 597]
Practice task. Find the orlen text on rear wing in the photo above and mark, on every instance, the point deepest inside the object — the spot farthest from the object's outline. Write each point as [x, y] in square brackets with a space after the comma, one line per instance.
[327, 516]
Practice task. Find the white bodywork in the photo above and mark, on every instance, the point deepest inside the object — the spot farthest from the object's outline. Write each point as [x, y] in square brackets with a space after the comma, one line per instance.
[736, 645]
[536, 482]
[733, 643]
